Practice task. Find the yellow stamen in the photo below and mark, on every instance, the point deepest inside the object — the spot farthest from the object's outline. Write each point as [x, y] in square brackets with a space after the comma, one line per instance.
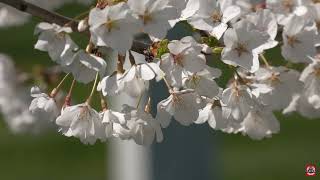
[292, 40]
[146, 17]
[241, 49]
[216, 16]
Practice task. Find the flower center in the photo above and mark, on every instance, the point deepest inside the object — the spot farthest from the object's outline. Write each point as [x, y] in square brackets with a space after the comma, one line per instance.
[146, 17]
[274, 79]
[84, 113]
[317, 72]
[216, 16]
[236, 91]
[60, 35]
[241, 49]
[101, 4]
[258, 7]
[195, 80]
[216, 103]
[318, 24]
[110, 24]
[177, 101]
[316, 1]
[292, 40]
[288, 5]
[178, 59]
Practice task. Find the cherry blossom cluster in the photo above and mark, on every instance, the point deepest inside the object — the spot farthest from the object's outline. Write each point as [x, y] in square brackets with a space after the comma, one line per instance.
[236, 31]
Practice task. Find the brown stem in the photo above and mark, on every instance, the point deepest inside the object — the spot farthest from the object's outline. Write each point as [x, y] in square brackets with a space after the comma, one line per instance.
[120, 63]
[39, 12]
[90, 47]
[67, 101]
[103, 102]
[52, 17]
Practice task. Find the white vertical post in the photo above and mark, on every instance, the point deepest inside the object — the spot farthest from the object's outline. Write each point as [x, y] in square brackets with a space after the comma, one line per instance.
[128, 161]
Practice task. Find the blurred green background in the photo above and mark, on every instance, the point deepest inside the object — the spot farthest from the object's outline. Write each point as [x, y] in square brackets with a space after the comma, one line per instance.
[51, 156]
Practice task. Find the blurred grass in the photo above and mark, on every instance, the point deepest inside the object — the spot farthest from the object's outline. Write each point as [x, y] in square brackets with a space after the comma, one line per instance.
[284, 156]
[51, 156]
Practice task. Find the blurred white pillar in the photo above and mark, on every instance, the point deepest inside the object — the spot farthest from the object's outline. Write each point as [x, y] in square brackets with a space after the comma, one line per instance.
[125, 159]
[128, 161]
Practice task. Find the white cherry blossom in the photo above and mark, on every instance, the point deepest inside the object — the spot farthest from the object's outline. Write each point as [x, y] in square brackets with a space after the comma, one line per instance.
[301, 105]
[136, 77]
[239, 99]
[217, 115]
[314, 12]
[265, 22]
[183, 106]
[83, 25]
[185, 56]
[133, 81]
[111, 85]
[43, 104]
[83, 122]
[285, 9]
[190, 9]
[141, 126]
[56, 41]
[154, 16]
[259, 123]
[299, 40]
[211, 17]
[311, 78]
[114, 26]
[203, 82]
[85, 67]
[241, 44]
[284, 84]
[213, 114]
[134, 87]
[180, 6]
[246, 6]
[109, 118]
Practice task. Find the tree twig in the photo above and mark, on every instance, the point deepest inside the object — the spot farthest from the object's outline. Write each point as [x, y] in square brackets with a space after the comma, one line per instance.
[52, 17]
[39, 12]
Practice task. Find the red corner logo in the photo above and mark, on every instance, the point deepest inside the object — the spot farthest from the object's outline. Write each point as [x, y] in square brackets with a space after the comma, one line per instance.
[310, 170]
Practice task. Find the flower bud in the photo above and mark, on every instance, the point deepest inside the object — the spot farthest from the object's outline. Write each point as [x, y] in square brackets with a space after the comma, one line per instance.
[83, 25]
[217, 50]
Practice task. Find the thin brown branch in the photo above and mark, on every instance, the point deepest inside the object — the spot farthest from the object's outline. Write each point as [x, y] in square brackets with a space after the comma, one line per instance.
[120, 62]
[52, 17]
[39, 12]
